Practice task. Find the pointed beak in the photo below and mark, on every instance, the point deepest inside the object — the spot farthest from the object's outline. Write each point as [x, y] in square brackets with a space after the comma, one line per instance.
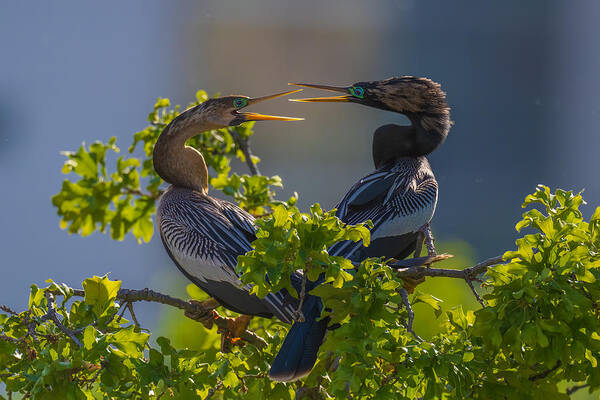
[250, 116]
[336, 99]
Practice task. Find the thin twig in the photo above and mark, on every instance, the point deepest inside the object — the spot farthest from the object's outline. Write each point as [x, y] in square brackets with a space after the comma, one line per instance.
[30, 325]
[121, 312]
[479, 299]
[244, 145]
[411, 314]
[133, 317]
[139, 192]
[89, 382]
[545, 373]
[575, 388]
[298, 315]
[212, 391]
[52, 315]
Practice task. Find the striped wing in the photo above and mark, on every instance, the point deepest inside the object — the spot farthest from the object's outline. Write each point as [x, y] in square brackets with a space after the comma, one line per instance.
[204, 236]
[398, 198]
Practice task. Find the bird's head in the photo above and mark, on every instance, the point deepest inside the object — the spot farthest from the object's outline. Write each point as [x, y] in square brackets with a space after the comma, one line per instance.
[183, 165]
[420, 99]
[227, 111]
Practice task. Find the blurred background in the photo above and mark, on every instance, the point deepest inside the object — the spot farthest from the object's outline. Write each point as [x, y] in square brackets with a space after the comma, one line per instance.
[521, 81]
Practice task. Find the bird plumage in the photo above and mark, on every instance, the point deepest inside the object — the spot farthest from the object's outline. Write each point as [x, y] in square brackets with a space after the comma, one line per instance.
[399, 198]
[204, 236]
[298, 353]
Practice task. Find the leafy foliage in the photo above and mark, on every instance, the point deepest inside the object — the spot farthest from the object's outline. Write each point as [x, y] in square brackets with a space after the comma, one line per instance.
[113, 358]
[37, 358]
[289, 240]
[543, 305]
[537, 334]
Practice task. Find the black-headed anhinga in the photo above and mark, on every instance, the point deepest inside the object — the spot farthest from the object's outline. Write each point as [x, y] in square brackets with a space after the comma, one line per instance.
[399, 197]
[204, 235]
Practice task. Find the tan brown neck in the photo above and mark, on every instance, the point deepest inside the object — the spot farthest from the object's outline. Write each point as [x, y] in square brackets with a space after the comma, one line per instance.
[176, 163]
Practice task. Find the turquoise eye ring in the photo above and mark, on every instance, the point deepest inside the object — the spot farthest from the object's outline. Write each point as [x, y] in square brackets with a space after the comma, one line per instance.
[357, 91]
[240, 103]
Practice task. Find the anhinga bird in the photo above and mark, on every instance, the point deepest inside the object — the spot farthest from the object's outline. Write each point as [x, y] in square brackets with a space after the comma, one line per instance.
[204, 235]
[399, 197]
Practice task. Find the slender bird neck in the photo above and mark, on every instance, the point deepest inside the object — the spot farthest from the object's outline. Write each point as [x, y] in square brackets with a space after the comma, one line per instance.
[430, 131]
[176, 163]
[392, 141]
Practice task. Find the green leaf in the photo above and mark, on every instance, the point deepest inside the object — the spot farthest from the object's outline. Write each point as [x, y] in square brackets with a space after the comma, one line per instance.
[596, 216]
[434, 303]
[129, 341]
[100, 293]
[89, 337]
[280, 215]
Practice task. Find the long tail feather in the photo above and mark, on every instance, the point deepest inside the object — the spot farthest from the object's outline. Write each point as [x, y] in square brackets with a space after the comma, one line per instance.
[298, 354]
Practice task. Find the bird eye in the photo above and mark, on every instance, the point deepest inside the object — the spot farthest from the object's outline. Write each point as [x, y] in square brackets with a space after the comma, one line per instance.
[240, 103]
[357, 91]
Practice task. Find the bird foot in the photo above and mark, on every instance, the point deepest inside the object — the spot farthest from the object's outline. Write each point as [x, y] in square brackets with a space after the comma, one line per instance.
[231, 335]
[429, 240]
[204, 312]
[410, 284]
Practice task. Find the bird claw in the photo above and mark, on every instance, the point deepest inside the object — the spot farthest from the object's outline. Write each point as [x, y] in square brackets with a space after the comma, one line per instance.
[231, 335]
[410, 284]
[204, 312]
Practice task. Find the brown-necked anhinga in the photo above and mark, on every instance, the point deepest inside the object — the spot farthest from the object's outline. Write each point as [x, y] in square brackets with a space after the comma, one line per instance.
[204, 235]
[399, 197]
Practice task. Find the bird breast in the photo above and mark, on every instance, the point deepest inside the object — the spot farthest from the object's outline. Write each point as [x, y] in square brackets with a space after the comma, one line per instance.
[401, 224]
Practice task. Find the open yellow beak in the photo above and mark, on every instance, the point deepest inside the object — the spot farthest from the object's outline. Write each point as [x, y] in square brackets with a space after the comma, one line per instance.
[250, 116]
[332, 99]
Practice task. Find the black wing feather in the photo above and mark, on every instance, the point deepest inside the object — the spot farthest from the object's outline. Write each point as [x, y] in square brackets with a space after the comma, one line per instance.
[396, 188]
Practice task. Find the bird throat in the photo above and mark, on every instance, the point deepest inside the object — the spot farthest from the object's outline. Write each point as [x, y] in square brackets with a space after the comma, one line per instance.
[176, 163]
[392, 141]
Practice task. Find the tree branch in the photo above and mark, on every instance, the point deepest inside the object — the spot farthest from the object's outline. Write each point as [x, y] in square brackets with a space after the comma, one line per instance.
[412, 269]
[417, 272]
[139, 192]
[245, 147]
[131, 296]
[411, 314]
